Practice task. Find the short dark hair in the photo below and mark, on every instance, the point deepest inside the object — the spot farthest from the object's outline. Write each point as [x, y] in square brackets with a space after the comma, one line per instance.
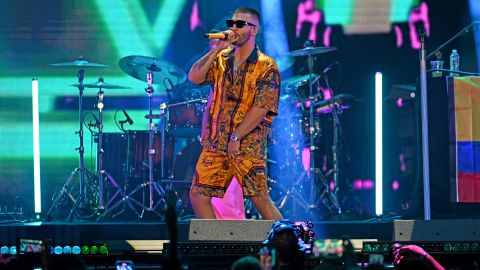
[248, 10]
[247, 262]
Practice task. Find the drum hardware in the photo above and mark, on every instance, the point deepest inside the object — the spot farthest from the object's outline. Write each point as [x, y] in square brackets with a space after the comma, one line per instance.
[79, 62]
[152, 71]
[292, 84]
[315, 175]
[130, 151]
[102, 174]
[137, 66]
[123, 122]
[185, 118]
[197, 92]
[336, 105]
[80, 170]
[308, 51]
[126, 159]
[338, 102]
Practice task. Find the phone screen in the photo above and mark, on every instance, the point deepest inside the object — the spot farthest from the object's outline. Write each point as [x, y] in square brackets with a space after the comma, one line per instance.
[125, 265]
[328, 248]
[29, 246]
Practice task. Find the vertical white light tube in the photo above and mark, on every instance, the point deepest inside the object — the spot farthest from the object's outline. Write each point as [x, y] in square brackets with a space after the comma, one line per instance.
[36, 149]
[378, 144]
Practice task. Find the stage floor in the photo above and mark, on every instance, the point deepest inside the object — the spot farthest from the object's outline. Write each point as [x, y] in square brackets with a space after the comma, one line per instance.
[142, 242]
[92, 232]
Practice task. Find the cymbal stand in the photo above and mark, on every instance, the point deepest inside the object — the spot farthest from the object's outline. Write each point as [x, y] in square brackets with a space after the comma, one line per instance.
[316, 175]
[337, 131]
[151, 152]
[151, 149]
[81, 149]
[101, 173]
[81, 165]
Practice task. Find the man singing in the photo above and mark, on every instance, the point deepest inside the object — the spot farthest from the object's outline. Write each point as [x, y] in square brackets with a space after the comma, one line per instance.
[242, 105]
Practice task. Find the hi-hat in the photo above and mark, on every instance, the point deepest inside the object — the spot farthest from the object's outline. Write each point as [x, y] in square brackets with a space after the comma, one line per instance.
[297, 81]
[101, 84]
[311, 51]
[138, 66]
[79, 62]
[292, 84]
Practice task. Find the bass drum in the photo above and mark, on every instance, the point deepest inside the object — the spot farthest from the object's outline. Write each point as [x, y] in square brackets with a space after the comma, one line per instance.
[185, 118]
[115, 156]
[186, 160]
[126, 155]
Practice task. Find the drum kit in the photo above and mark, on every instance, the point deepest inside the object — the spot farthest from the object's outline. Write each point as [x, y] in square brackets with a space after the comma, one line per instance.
[142, 156]
[147, 157]
[310, 102]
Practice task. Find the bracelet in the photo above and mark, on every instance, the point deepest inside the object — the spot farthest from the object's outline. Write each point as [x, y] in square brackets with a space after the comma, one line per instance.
[234, 137]
[424, 255]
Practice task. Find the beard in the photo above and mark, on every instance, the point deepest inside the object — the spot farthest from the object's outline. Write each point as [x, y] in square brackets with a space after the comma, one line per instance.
[242, 39]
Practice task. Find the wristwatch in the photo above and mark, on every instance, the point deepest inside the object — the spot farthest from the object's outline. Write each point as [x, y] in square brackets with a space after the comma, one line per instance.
[234, 137]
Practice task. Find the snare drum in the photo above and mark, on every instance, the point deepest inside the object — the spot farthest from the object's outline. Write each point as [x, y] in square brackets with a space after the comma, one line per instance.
[185, 118]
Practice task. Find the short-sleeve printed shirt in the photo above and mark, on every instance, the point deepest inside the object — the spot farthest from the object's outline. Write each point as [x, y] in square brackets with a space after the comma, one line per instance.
[235, 91]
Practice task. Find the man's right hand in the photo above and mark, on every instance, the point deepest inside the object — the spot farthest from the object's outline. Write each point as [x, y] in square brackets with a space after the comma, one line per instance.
[223, 44]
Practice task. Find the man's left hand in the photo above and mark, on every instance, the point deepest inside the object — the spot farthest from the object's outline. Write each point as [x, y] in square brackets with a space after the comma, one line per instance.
[233, 149]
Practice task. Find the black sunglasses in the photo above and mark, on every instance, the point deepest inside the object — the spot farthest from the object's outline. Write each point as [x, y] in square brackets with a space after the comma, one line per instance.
[238, 23]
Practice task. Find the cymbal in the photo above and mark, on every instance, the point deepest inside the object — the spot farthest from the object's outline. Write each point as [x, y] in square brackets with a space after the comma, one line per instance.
[79, 62]
[297, 81]
[311, 51]
[101, 84]
[138, 66]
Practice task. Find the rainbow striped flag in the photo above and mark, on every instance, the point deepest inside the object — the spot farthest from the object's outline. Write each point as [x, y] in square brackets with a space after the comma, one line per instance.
[467, 135]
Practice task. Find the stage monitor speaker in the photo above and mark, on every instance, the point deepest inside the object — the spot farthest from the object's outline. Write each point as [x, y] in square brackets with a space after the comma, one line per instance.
[229, 230]
[436, 230]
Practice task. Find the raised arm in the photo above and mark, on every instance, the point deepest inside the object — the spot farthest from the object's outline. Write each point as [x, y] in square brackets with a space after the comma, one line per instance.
[200, 69]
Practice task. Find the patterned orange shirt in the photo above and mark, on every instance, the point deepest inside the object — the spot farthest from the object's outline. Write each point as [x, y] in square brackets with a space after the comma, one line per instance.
[235, 91]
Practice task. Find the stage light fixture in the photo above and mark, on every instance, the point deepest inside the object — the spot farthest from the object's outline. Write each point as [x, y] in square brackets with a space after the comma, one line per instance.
[85, 250]
[103, 250]
[378, 144]
[57, 250]
[4, 250]
[36, 149]
[67, 250]
[94, 250]
[76, 250]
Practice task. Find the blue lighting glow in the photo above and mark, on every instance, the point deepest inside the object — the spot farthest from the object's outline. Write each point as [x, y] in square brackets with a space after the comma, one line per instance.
[76, 250]
[67, 250]
[4, 250]
[275, 35]
[475, 14]
[57, 250]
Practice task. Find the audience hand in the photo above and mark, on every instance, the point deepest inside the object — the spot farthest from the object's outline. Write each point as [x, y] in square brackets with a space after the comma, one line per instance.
[414, 253]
